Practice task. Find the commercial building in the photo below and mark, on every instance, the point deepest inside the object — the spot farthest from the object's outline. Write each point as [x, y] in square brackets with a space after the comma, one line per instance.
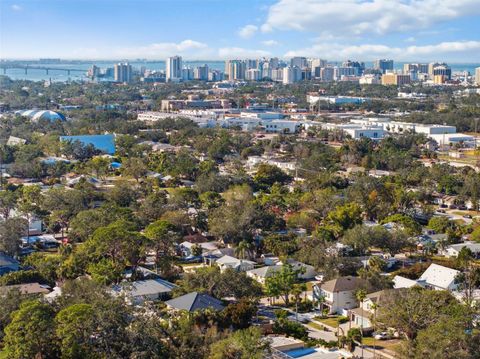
[395, 79]
[174, 69]
[383, 65]
[291, 74]
[122, 72]
[297, 61]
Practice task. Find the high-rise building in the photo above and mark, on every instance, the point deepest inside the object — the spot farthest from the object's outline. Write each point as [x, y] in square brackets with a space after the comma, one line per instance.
[186, 74]
[339, 72]
[174, 69]
[383, 65]
[358, 66]
[122, 72]
[253, 75]
[477, 76]
[442, 70]
[297, 61]
[235, 69]
[201, 73]
[326, 74]
[291, 74]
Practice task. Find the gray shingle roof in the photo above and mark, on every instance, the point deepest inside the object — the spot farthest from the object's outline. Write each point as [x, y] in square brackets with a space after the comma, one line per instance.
[195, 301]
[343, 284]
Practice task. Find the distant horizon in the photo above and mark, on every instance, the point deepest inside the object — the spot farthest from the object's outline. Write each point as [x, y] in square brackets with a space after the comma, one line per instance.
[233, 58]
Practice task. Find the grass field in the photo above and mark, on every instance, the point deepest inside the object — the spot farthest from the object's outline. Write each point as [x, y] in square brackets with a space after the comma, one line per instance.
[393, 344]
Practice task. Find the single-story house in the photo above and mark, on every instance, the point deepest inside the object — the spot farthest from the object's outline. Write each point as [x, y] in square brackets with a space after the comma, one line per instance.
[262, 273]
[402, 282]
[439, 277]
[186, 247]
[44, 239]
[195, 301]
[26, 289]
[454, 249]
[240, 265]
[8, 264]
[141, 291]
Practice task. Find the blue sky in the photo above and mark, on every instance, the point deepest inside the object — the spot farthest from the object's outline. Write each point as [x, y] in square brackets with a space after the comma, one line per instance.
[406, 30]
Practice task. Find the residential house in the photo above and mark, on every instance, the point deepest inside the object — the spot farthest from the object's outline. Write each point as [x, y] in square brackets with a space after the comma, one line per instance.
[195, 301]
[140, 291]
[8, 264]
[339, 294]
[26, 289]
[402, 282]
[186, 247]
[262, 273]
[363, 315]
[439, 277]
[239, 265]
[453, 250]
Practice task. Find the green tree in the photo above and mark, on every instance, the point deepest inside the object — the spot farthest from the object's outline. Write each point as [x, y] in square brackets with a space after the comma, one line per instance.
[243, 344]
[75, 326]
[31, 333]
[162, 239]
[282, 282]
[11, 231]
[134, 167]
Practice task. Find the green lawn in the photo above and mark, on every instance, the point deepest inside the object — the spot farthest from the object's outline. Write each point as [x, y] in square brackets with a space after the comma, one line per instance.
[315, 325]
[393, 344]
[331, 321]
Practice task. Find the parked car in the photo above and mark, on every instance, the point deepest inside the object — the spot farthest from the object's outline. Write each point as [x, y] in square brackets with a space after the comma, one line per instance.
[462, 208]
[452, 206]
[467, 216]
[382, 336]
[443, 205]
[440, 210]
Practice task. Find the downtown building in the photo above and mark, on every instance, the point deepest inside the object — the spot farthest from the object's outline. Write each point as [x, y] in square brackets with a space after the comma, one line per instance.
[122, 72]
[174, 69]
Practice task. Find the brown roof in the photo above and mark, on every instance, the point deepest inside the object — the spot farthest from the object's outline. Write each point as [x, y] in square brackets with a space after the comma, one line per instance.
[343, 284]
[29, 288]
[377, 297]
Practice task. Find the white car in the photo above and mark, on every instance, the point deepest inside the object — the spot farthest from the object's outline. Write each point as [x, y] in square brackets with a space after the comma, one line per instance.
[382, 336]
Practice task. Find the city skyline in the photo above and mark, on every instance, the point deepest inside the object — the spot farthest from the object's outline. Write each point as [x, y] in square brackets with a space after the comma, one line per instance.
[412, 30]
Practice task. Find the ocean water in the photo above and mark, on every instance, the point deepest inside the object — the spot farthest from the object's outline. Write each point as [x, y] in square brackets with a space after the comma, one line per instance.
[59, 75]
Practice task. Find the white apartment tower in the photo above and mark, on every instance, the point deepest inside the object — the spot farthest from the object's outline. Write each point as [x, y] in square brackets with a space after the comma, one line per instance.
[174, 69]
[122, 72]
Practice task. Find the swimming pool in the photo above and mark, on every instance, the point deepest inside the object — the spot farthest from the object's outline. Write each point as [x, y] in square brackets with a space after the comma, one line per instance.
[297, 353]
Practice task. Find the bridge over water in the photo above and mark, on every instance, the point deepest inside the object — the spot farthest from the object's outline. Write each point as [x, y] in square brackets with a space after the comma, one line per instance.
[26, 68]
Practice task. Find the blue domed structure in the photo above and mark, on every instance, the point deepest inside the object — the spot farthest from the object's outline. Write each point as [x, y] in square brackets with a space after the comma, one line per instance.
[37, 115]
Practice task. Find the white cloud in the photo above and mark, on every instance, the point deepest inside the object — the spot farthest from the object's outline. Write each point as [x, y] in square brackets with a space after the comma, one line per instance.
[16, 7]
[165, 49]
[450, 51]
[240, 53]
[247, 31]
[357, 17]
[270, 43]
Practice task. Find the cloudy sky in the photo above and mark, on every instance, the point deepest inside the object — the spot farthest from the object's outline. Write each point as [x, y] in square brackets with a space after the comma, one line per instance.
[406, 30]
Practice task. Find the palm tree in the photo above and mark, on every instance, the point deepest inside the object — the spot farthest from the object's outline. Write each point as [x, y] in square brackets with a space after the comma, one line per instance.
[360, 295]
[243, 250]
[297, 291]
